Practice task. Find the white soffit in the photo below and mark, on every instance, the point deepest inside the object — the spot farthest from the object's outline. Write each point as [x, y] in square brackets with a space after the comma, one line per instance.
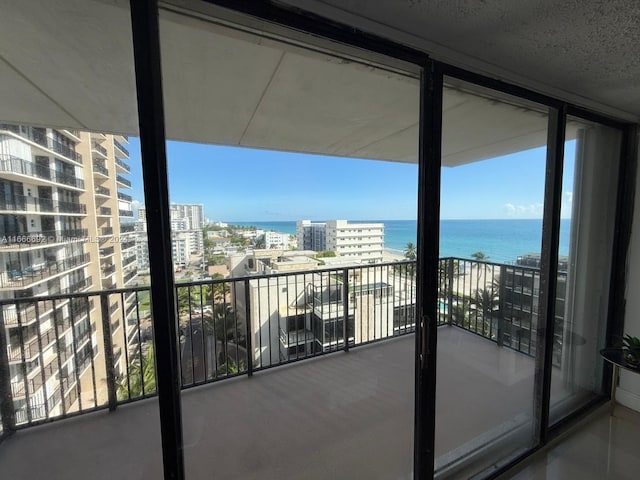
[69, 64]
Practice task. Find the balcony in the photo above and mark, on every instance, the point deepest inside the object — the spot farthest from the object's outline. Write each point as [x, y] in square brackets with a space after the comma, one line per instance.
[124, 166]
[16, 168]
[128, 245]
[25, 275]
[123, 181]
[127, 228]
[108, 270]
[106, 252]
[44, 141]
[129, 276]
[129, 260]
[120, 151]
[103, 191]
[95, 146]
[353, 403]
[125, 213]
[104, 211]
[27, 204]
[100, 169]
[106, 231]
[124, 197]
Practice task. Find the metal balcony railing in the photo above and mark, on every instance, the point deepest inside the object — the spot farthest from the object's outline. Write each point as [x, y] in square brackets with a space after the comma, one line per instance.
[127, 228]
[103, 190]
[125, 197]
[99, 168]
[21, 203]
[21, 275]
[120, 147]
[99, 148]
[125, 213]
[231, 327]
[43, 140]
[124, 165]
[12, 164]
[104, 211]
[122, 180]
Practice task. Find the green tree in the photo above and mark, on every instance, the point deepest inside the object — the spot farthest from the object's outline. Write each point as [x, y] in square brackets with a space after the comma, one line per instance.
[141, 376]
[325, 254]
[410, 251]
[260, 243]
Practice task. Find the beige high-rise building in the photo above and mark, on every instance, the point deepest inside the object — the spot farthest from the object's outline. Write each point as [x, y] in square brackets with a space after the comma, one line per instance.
[63, 230]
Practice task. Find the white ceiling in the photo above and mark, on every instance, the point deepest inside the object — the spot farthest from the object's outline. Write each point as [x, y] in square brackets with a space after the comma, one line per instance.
[586, 51]
[69, 63]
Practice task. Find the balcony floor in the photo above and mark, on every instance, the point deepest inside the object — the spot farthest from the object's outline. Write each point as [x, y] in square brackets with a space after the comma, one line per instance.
[345, 415]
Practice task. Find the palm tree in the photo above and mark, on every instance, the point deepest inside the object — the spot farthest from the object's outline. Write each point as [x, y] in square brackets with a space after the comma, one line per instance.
[480, 256]
[410, 251]
[140, 378]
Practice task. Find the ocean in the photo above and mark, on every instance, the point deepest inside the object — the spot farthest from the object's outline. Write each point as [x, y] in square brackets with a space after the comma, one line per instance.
[501, 240]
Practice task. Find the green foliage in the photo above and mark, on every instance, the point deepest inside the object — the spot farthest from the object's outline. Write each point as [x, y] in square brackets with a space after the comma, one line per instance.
[325, 254]
[480, 256]
[631, 343]
[410, 251]
[141, 373]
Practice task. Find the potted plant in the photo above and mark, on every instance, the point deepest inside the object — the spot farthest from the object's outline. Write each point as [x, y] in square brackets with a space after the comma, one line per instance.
[631, 347]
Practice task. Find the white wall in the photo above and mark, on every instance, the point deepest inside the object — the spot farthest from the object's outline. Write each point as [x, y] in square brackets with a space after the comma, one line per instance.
[628, 392]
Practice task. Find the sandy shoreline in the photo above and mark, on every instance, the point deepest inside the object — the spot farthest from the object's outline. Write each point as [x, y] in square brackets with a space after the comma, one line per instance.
[391, 256]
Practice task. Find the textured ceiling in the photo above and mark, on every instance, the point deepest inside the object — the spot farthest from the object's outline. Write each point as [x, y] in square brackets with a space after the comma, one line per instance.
[586, 51]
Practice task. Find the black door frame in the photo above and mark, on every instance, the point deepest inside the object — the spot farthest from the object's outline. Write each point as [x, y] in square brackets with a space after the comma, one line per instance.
[146, 40]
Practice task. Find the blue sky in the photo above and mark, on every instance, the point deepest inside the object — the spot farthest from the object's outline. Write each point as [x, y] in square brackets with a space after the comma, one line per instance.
[238, 184]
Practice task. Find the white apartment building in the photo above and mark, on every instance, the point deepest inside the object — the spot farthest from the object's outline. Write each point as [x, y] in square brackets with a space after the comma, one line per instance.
[360, 241]
[276, 240]
[192, 212]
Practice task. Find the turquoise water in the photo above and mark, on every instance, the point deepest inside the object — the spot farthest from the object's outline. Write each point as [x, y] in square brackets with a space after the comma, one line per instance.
[501, 240]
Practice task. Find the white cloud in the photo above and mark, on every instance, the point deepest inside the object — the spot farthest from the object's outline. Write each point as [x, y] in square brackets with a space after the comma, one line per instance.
[533, 210]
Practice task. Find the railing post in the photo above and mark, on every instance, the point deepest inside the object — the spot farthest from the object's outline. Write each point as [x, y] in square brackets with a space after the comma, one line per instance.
[247, 314]
[450, 271]
[108, 351]
[6, 398]
[501, 295]
[345, 307]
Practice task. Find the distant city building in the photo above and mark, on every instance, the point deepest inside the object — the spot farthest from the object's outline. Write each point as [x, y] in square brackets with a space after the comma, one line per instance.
[276, 240]
[193, 213]
[361, 241]
[187, 236]
[520, 295]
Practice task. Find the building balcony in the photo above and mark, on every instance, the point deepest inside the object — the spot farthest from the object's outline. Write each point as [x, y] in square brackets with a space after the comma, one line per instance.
[129, 276]
[108, 270]
[127, 245]
[120, 150]
[122, 166]
[125, 213]
[100, 169]
[129, 260]
[73, 134]
[104, 191]
[123, 182]
[107, 252]
[104, 211]
[127, 228]
[124, 197]
[23, 276]
[20, 170]
[42, 140]
[98, 150]
[104, 231]
[325, 401]
[46, 206]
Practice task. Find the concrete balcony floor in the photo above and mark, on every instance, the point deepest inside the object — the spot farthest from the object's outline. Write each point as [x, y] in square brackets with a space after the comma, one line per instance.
[345, 415]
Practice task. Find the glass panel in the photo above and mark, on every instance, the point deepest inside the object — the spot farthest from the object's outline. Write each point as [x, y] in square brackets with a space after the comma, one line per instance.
[493, 157]
[589, 192]
[67, 241]
[267, 132]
